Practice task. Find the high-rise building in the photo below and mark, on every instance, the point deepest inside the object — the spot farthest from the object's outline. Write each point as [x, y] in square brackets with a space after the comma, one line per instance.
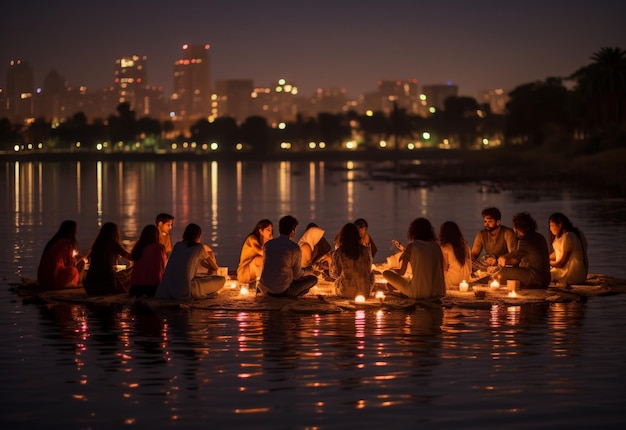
[496, 99]
[436, 95]
[403, 93]
[233, 98]
[131, 86]
[20, 90]
[53, 98]
[192, 83]
[130, 76]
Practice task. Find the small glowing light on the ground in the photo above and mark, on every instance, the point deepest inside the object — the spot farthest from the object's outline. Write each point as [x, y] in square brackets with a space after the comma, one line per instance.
[359, 299]
[244, 290]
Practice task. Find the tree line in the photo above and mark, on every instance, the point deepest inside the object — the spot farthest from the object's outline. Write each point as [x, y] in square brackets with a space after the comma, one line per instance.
[581, 113]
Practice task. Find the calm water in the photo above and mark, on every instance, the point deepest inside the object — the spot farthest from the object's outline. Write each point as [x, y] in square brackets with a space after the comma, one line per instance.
[74, 366]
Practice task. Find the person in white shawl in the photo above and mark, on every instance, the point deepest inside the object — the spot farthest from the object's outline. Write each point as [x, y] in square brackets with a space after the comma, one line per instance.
[313, 245]
[181, 279]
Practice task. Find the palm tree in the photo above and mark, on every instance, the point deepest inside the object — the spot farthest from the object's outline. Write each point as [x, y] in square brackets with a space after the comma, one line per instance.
[601, 89]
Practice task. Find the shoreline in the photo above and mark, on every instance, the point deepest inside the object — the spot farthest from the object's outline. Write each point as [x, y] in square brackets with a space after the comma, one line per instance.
[600, 173]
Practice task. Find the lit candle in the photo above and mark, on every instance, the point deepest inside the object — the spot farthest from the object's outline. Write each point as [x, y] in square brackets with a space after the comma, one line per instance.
[494, 284]
[233, 284]
[380, 295]
[359, 299]
[512, 294]
[244, 290]
[463, 286]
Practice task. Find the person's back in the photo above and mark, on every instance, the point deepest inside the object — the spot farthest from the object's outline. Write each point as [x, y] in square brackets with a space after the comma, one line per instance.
[282, 272]
[427, 266]
[148, 270]
[351, 264]
[56, 269]
[181, 279]
[575, 270]
[281, 265]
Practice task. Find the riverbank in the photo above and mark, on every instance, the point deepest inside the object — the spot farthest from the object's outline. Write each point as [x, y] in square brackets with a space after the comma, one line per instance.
[601, 172]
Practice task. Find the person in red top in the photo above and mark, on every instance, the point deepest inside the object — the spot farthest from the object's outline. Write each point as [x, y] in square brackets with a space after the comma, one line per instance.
[149, 259]
[58, 266]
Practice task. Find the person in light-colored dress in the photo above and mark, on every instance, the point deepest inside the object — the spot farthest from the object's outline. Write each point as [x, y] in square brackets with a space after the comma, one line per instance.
[351, 264]
[251, 258]
[181, 279]
[457, 260]
[426, 260]
[568, 259]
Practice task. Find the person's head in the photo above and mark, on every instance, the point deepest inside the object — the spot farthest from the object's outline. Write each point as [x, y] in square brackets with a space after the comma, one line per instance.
[350, 240]
[449, 232]
[492, 218]
[67, 230]
[559, 224]
[287, 225]
[263, 230]
[164, 222]
[149, 235]
[192, 234]
[523, 223]
[361, 224]
[421, 229]
[109, 232]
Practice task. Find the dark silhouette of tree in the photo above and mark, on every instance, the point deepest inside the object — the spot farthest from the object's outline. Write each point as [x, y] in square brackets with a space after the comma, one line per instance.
[333, 128]
[461, 120]
[255, 133]
[536, 109]
[399, 126]
[10, 134]
[38, 131]
[123, 128]
[375, 128]
[600, 92]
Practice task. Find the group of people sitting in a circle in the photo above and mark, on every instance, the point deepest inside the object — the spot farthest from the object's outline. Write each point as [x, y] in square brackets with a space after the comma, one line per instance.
[423, 268]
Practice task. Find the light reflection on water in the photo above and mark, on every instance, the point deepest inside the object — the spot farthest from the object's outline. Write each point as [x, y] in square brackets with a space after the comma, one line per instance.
[85, 366]
[452, 366]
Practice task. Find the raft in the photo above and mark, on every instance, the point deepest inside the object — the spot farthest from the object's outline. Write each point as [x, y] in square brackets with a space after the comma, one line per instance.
[321, 299]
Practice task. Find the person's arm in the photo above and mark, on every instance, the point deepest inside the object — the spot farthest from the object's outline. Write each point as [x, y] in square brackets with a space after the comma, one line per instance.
[210, 261]
[511, 240]
[568, 247]
[404, 258]
[477, 247]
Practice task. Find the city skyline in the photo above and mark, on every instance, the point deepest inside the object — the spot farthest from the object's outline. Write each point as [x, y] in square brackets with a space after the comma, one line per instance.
[345, 44]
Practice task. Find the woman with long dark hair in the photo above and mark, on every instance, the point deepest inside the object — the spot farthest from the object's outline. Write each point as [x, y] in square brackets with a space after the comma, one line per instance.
[568, 259]
[149, 260]
[457, 261]
[181, 279]
[104, 255]
[251, 258]
[59, 267]
[351, 264]
[426, 260]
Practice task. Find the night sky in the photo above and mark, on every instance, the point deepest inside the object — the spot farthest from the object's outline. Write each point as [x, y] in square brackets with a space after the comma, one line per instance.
[349, 44]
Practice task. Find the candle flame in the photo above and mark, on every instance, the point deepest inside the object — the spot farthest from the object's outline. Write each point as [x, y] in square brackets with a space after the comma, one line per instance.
[244, 290]
[494, 284]
[380, 295]
[359, 299]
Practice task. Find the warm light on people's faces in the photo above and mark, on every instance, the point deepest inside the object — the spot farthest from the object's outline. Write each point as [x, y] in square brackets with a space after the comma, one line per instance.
[362, 231]
[555, 229]
[490, 223]
[166, 227]
[267, 233]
